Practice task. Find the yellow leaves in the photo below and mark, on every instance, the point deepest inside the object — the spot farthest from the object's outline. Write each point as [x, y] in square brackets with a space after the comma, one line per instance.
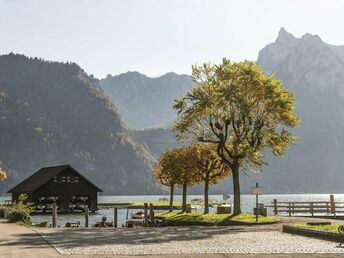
[3, 174]
[256, 108]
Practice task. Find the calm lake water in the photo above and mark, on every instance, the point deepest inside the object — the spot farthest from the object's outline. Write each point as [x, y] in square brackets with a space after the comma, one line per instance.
[247, 203]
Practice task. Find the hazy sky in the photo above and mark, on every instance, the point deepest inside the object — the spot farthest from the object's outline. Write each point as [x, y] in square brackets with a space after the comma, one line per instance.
[158, 36]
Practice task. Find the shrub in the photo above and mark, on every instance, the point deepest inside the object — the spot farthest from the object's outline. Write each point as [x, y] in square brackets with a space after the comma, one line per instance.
[18, 216]
[19, 211]
[2, 212]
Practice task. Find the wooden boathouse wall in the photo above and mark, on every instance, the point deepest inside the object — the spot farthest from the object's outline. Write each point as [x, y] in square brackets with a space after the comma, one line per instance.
[63, 185]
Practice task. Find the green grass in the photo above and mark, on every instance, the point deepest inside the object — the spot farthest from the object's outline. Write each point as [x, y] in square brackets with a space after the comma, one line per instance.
[327, 228]
[178, 204]
[211, 218]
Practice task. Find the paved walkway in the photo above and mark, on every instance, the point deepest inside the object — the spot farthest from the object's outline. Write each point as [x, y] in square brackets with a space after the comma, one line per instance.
[183, 240]
[208, 242]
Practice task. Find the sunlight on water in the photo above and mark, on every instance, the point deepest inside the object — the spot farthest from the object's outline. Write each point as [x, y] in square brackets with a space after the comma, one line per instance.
[247, 204]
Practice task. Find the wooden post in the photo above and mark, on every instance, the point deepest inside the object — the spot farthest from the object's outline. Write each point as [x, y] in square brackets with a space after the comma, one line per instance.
[257, 204]
[312, 209]
[146, 214]
[151, 212]
[275, 206]
[86, 217]
[289, 210]
[115, 213]
[127, 213]
[327, 208]
[293, 208]
[333, 205]
[54, 212]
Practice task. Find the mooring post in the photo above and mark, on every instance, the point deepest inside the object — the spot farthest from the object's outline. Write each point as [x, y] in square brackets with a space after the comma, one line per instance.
[86, 217]
[146, 214]
[151, 212]
[275, 206]
[54, 213]
[115, 211]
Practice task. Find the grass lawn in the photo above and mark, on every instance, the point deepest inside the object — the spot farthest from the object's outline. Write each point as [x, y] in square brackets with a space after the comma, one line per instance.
[211, 218]
[161, 203]
[327, 228]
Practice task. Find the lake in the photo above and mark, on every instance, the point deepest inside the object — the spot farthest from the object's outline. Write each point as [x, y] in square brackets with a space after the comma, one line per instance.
[247, 204]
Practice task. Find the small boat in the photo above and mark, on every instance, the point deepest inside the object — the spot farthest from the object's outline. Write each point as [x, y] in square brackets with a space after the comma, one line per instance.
[137, 214]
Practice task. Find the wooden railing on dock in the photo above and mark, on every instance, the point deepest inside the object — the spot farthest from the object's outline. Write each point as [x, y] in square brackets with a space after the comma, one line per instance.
[307, 208]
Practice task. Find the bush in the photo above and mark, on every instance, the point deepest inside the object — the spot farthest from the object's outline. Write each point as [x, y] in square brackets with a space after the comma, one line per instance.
[19, 211]
[2, 212]
[18, 216]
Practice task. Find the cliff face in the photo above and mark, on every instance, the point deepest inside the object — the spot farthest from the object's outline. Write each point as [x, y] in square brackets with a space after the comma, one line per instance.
[143, 101]
[54, 113]
[314, 71]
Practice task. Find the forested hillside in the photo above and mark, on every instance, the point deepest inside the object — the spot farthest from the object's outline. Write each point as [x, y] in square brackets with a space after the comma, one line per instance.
[54, 113]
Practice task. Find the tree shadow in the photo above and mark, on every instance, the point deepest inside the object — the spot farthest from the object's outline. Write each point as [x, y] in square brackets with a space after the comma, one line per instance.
[25, 240]
[71, 238]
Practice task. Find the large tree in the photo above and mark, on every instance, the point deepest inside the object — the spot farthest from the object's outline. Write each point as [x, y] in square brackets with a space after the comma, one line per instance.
[241, 110]
[210, 168]
[166, 172]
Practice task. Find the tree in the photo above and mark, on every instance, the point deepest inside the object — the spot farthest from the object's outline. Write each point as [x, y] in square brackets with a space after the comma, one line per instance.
[210, 168]
[241, 110]
[177, 167]
[166, 172]
[187, 158]
[3, 174]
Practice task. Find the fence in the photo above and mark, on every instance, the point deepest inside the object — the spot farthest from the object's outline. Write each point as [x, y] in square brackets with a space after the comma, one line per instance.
[304, 208]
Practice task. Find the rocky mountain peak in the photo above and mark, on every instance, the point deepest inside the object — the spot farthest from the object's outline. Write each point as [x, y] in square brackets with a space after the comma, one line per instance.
[285, 37]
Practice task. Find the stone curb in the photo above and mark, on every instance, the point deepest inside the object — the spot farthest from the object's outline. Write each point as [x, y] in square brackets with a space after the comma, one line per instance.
[313, 233]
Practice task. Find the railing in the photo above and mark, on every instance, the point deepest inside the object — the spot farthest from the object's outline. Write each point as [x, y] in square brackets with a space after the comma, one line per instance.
[317, 207]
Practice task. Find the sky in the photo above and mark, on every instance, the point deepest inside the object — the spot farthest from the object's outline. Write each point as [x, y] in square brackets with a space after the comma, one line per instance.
[158, 36]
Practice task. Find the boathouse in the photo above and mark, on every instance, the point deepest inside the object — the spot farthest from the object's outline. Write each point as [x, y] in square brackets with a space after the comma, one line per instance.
[63, 185]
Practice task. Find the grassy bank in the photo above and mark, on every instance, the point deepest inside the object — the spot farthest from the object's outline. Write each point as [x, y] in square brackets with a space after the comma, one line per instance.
[160, 203]
[156, 203]
[212, 219]
[326, 228]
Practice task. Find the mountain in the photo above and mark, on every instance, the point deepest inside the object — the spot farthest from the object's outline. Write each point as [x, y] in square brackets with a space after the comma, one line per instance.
[156, 140]
[143, 101]
[314, 71]
[54, 113]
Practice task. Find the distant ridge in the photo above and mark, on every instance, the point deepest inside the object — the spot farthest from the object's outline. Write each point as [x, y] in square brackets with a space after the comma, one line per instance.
[146, 102]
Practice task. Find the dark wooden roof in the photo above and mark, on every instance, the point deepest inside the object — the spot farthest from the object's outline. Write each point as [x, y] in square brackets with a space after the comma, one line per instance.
[43, 176]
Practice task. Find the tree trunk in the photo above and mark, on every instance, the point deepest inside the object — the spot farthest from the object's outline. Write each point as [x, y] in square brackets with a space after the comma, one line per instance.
[206, 196]
[236, 188]
[184, 197]
[171, 198]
